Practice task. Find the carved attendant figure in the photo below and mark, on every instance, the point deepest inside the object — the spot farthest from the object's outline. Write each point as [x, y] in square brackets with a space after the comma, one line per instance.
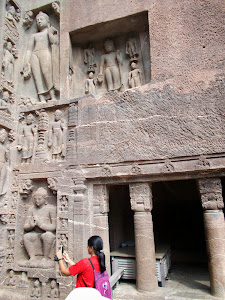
[28, 19]
[132, 49]
[57, 136]
[40, 225]
[55, 6]
[11, 238]
[4, 157]
[90, 84]
[134, 77]
[42, 61]
[89, 57]
[113, 62]
[26, 140]
[8, 64]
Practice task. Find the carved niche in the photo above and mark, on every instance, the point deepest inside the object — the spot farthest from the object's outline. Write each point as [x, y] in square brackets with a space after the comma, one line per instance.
[114, 58]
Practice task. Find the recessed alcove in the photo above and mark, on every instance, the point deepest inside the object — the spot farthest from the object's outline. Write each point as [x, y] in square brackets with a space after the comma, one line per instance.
[130, 38]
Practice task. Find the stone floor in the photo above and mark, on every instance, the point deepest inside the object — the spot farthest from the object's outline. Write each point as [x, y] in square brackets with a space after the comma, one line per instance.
[188, 281]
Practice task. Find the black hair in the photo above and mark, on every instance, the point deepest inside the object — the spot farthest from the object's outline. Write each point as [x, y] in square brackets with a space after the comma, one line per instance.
[96, 242]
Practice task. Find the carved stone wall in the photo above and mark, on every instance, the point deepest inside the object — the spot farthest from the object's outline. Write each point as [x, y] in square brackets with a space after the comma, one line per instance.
[93, 95]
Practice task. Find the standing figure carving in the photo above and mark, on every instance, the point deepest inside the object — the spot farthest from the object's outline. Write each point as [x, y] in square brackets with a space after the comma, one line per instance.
[89, 58]
[8, 63]
[27, 139]
[134, 77]
[40, 227]
[42, 58]
[112, 61]
[4, 158]
[90, 84]
[57, 136]
[11, 238]
[132, 49]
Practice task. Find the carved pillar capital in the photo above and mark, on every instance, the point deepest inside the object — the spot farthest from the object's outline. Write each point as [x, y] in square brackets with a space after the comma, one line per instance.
[79, 188]
[141, 196]
[211, 193]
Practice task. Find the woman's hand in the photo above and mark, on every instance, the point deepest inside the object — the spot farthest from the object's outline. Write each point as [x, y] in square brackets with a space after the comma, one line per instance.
[67, 259]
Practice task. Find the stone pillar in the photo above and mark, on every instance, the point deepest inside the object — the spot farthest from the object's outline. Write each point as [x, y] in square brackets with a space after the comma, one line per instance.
[212, 202]
[141, 203]
[100, 219]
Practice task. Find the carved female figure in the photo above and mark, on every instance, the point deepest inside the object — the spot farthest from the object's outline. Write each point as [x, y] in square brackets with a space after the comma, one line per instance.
[42, 58]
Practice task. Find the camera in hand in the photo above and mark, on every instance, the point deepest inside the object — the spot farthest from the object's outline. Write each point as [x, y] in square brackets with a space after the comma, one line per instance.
[56, 258]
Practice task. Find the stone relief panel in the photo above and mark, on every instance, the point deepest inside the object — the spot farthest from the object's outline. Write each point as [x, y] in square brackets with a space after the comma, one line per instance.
[113, 61]
[16, 280]
[40, 64]
[36, 230]
[42, 137]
